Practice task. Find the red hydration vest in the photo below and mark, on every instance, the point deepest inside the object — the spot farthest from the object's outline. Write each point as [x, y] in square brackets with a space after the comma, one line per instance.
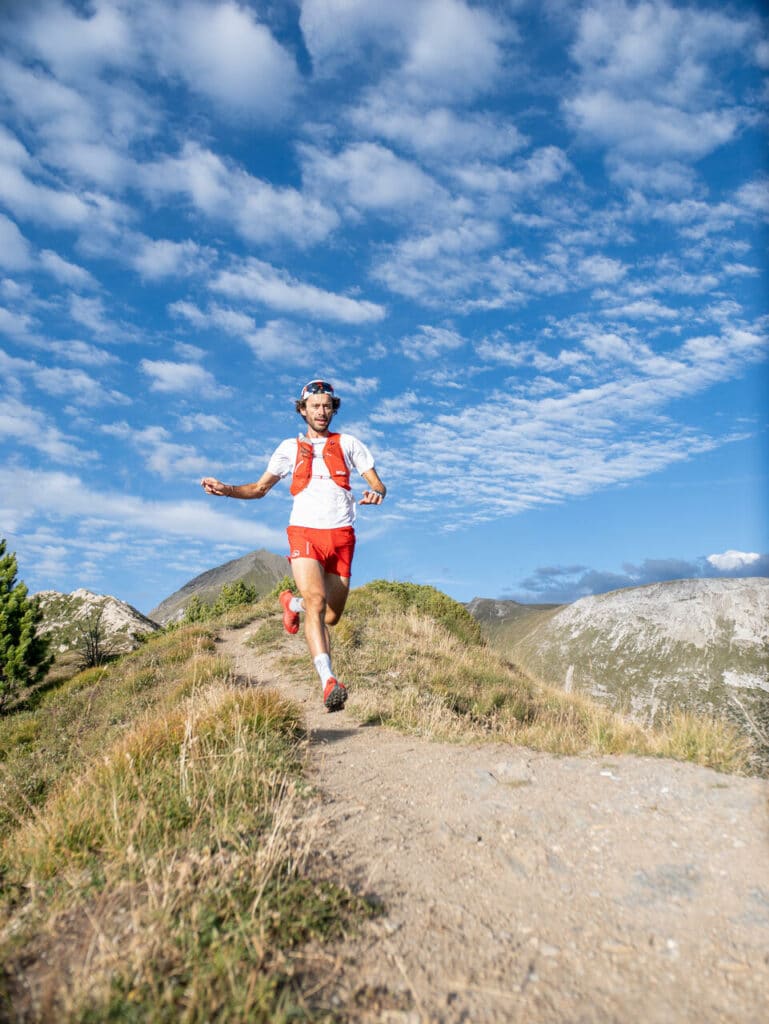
[333, 456]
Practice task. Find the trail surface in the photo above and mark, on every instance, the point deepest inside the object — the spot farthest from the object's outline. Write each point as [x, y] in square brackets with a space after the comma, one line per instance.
[523, 887]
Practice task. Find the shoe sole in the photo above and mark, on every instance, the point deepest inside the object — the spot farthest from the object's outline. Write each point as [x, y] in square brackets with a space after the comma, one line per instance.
[337, 699]
[290, 619]
[291, 626]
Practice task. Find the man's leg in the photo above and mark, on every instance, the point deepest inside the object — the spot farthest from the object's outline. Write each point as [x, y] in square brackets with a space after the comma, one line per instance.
[310, 578]
[324, 596]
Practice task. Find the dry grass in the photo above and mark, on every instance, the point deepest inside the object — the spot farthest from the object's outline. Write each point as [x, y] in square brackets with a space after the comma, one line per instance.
[165, 873]
[419, 673]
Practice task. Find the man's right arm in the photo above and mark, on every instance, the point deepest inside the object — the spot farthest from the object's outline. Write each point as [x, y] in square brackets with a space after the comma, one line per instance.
[258, 489]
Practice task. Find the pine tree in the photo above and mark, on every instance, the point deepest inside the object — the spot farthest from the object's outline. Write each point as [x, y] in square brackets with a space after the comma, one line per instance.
[24, 658]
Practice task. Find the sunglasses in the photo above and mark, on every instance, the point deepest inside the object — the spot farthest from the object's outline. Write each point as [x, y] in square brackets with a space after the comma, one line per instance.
[317, 387]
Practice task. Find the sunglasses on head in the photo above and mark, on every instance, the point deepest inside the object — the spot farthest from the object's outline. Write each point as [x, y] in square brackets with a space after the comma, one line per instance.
[317, 387]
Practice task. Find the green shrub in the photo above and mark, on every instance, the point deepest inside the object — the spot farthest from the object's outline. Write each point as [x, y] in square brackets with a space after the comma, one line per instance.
[24, 656]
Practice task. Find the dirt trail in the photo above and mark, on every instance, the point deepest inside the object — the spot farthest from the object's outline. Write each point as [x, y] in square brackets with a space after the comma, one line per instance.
[525, 887]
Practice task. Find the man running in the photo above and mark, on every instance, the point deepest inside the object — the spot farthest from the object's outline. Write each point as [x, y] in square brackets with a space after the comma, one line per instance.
[321, 535]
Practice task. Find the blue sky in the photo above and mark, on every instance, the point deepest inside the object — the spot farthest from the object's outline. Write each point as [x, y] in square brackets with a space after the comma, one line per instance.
[527, 241]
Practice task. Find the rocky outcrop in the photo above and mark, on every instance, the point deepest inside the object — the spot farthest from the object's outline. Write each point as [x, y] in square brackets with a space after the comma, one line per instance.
[65, 616]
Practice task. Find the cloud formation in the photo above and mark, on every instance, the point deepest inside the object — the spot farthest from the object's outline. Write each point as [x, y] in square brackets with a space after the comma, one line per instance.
[527, 244]
[564, 584]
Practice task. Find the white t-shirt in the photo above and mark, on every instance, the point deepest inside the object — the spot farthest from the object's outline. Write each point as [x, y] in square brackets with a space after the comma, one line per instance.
[323, 504]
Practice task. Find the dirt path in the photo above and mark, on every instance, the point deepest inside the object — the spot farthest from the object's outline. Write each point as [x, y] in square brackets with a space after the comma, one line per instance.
[524, 887]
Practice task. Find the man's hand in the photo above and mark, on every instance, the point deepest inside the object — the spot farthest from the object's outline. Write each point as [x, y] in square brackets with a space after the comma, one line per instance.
[213, 486]
[371, 498]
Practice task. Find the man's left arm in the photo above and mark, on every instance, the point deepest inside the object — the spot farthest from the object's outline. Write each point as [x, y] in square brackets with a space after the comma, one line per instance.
[375, 494]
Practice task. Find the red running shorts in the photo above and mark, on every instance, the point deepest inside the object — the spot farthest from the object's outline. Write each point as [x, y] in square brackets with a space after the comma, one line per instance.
[332, 548]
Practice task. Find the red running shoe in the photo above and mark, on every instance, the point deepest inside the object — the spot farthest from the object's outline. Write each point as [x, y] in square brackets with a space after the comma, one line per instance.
[290, 619]
[334, 695]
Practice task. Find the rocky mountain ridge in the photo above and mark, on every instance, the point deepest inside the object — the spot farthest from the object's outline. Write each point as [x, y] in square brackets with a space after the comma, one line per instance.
[701, 645]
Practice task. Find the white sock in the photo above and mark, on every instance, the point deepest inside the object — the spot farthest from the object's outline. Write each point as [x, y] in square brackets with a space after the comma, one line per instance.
[296, 604]
[323, 667]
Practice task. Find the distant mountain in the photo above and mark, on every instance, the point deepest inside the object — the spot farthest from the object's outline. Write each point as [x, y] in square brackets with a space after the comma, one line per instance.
[698, 644]
[507, 619]
[64, 615]
[260, 569]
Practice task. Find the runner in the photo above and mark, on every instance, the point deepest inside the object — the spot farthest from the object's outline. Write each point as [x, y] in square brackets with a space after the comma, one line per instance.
[321, 534]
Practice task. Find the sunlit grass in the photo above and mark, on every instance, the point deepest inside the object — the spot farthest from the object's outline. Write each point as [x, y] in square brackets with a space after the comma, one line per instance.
[422, 671]
[163, 868]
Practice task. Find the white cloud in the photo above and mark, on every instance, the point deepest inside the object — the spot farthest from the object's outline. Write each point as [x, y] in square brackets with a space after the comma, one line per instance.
[644, 129]
[275, 340]
[371, 176]
[23, 426]
[454, 50]
[281, 340]
[258, 282]
[338, 32]
[91, 314]
[579, 434]
[602, 269]
[430, 342]
[437, 264]
[644, 309]
[32, 201]
[436, 133]
[205, 422]
[65, 272]
[159, 452]
[221, 51]
[359, 386]
[663, 177]
[58, 111]
[76, 385]
[32, 494]
[160, 258]
[530, 174]
[442, 48]
[257, 210]
[732, 559]
[83, 130]
[753, 197]
[14, 247]
[647, 84]
[405, 408]
[81, 352]
[15, 325]
[74, 46]
[172, 378]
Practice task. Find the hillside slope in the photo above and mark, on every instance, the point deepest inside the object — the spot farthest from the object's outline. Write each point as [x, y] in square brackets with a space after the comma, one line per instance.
[521, 886]
[701, 645]
[260, 569]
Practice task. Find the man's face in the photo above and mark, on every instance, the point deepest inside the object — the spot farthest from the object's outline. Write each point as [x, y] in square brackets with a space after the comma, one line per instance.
[319, 411]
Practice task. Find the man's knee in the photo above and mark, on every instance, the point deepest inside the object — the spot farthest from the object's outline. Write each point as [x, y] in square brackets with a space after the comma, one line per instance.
[315, 602]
